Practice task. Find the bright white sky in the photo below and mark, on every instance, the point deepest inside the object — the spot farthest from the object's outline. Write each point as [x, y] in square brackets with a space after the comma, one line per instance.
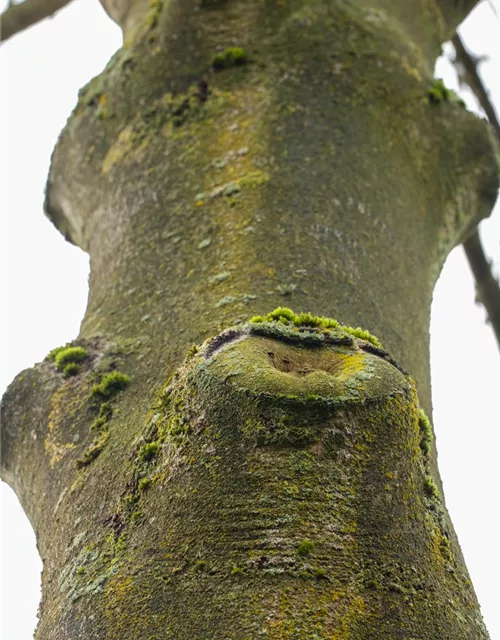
[44, 291]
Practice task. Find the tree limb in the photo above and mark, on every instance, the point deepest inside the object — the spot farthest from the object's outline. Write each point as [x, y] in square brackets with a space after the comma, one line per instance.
[18, 17]
[488, 289]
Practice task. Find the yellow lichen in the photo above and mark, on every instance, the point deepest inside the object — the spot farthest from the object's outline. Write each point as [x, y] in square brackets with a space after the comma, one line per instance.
[126, 145]
[66, 403]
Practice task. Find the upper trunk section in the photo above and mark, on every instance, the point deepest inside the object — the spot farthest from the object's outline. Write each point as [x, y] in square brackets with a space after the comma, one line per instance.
[234, 153]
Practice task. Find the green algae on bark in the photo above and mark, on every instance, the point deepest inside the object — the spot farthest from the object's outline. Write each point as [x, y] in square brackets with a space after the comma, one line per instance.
[232, 57]
[313, 504]
[105, 391]
[286, 471]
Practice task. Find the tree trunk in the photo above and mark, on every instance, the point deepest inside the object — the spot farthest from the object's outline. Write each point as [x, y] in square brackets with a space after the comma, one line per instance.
[236, 156]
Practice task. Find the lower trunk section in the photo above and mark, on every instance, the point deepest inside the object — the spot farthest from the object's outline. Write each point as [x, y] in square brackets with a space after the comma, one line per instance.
[251, 511]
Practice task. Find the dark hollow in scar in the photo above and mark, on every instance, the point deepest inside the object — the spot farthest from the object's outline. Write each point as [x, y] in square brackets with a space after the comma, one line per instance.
[307, 363]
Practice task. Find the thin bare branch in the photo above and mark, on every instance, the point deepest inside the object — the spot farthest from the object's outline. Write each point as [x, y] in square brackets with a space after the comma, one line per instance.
[470, 64]
[18, 17]
[488, 289]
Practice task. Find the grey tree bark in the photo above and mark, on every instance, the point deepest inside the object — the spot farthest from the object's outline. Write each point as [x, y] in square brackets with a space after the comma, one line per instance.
[281, 480]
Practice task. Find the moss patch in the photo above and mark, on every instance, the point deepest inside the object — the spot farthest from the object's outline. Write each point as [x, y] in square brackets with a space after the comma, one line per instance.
[149, 451]
[67, 359]
[426, 431]
[430, 488]
[94, 449]
[71, 369]
[287, 317]
[51, 356]
[305, 547]
[231, 57]
[110, 385]
[439, 92]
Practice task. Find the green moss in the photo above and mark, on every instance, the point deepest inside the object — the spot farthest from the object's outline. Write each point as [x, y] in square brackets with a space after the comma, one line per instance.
[430, 488]
[135, 515]
[70, 355]
[193, 350]
[66, 359]
[281, 314]
[308, 320]
[71, 369]
[305, 547]
[440, 93]
[117, 543]
[315, 572]
[286, 316]
[425, 430]
[110, 385]
[363, 334]
[149, 451]
[93, 450]
[98, 424]
[52, 354]
[445, 548]
[235, 570]
[320, 573]
[144, 483]
[289, 372]
[231, 57]
[290, 333]
[105, 411]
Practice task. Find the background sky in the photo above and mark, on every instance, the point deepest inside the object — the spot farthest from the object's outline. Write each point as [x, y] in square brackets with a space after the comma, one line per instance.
[44, 292]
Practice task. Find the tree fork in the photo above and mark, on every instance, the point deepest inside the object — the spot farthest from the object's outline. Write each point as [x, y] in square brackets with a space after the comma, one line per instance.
[235, 155]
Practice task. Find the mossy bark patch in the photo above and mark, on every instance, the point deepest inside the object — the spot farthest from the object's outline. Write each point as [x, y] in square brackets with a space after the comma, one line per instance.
[332, 374]
[284, 520]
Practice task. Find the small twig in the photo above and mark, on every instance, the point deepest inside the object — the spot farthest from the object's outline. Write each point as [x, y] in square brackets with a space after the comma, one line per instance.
[18, 17]
[470, 64]
[488, 288]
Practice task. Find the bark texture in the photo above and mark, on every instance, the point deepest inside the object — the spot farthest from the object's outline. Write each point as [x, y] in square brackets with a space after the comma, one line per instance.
[235, 156]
